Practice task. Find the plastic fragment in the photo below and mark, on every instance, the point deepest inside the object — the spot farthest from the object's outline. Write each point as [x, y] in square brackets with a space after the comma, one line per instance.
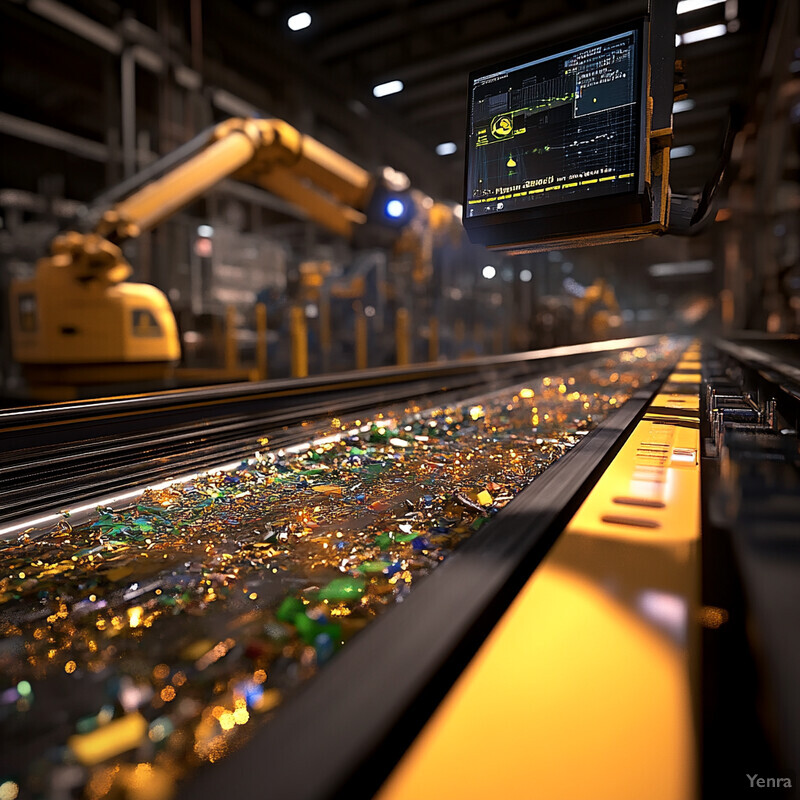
[484, 498]
[289, 608]
[342, 589]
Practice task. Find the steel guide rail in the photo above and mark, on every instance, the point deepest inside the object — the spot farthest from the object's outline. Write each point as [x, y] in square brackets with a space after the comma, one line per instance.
[57, 455]
[28, 418]
[751, 506]
[342, 734]
[114, 464]
[780, 378]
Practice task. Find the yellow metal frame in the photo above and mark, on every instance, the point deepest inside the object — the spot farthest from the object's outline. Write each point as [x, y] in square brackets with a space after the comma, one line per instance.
[583, 690]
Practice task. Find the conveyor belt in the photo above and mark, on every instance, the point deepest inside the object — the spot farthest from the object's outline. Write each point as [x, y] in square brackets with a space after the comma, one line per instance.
[357, 717]
[51, 457]
[440, 626]
[133, 606]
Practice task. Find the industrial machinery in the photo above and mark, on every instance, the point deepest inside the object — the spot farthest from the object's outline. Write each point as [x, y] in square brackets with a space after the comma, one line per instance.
[245, 579]
[562, 573]
[79, 321]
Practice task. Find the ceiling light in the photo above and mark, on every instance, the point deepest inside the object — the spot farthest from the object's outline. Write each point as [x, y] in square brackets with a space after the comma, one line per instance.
[525, 275]
[299, 21]
[697, 267]
[682, 152]
[489, 272]
[682, 105]
[390, 87]
[396, 180]
[446, 148]
[685, 6]
[701, 34]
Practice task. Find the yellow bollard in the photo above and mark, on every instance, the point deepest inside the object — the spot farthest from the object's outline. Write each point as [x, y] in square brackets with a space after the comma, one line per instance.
[261, 341]
[231, 350]
[361, 339]
[299, 342]
[433, 340]
[401, 332]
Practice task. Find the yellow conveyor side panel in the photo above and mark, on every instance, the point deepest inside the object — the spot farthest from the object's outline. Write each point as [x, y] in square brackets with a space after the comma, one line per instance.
[583, 689]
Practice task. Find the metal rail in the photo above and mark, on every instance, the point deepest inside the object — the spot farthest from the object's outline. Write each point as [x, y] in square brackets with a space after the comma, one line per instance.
[54, 456]
[751, 556]
[34, 417]
[771, 366]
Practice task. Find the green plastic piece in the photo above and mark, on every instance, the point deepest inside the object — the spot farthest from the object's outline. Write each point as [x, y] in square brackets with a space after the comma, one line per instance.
[289, 609]
[373, 566]
[309, 629]
[385, 540]
[342, 589]
[376, 436]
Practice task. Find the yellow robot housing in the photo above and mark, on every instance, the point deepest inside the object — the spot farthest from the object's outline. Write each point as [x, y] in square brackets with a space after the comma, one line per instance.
[78, 321]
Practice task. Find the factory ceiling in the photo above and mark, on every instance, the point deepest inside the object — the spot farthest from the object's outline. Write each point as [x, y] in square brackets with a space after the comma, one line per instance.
[240, 57]
[431, 46]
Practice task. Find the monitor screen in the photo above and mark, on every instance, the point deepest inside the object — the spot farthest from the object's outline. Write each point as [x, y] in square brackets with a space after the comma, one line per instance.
[560, 128]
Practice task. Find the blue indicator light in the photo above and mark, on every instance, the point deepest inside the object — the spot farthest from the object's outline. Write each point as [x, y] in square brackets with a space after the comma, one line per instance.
[395, 209]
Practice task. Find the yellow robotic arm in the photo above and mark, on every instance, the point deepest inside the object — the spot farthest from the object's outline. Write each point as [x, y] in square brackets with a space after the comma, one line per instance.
[77, 321]
[330, 189]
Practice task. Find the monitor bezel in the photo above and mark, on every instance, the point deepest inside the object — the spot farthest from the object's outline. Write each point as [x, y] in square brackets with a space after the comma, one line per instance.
[581, 214]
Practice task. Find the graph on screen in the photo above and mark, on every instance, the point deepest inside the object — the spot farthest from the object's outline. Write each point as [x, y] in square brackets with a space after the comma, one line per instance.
[554, 129]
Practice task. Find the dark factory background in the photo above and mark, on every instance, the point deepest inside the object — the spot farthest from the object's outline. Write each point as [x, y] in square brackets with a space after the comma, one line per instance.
[95, 91]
